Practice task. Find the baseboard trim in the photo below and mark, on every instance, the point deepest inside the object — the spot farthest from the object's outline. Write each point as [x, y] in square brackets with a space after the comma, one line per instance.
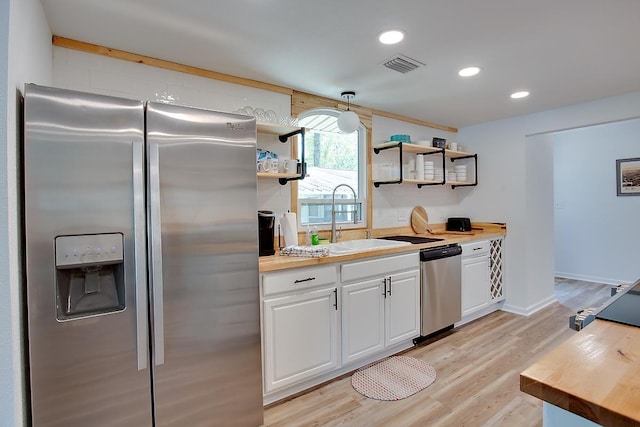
[528, 311]
[603, 280]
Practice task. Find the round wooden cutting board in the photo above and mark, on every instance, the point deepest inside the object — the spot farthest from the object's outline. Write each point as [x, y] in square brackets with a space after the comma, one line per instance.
[419, 220]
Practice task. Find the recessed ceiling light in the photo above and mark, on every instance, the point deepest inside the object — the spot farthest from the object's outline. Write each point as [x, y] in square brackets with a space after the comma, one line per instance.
[391, 37]
[522, 94]
[469, 71]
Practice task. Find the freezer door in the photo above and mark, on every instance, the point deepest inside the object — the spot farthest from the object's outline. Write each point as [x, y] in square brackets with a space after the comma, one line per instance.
[204, 267]
[86, 296]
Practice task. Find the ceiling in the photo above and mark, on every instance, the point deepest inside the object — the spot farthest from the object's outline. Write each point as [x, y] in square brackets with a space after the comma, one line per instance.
[562, 51]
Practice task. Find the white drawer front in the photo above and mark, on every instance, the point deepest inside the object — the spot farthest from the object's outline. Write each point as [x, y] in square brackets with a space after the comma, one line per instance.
[475, 248]
[299, 278]
[379, 266]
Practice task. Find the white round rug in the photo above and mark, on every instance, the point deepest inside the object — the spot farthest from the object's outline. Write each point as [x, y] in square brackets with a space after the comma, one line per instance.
[394, 378]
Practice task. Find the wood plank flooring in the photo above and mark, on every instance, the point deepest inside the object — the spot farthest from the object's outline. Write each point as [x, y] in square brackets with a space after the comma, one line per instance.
[478, 367]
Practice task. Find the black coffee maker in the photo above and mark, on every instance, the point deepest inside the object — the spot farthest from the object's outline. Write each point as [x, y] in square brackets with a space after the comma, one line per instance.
[266, 222]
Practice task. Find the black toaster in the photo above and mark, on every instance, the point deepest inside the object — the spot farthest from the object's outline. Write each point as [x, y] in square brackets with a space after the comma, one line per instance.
[458, 224]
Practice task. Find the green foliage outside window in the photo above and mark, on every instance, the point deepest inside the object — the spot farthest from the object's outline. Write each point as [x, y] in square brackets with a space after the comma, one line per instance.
[328, 150]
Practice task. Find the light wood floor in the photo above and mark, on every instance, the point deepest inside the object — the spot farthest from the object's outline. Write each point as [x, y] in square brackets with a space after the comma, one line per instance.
[478, 367]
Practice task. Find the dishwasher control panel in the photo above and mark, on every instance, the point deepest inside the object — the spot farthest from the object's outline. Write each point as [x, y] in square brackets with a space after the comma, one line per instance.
[440, 252]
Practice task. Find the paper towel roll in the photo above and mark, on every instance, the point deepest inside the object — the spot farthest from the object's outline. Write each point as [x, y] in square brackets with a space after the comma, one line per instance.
[289, 225]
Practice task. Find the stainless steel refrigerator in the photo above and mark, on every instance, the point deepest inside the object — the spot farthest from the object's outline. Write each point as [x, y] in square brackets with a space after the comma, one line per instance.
[141, 262]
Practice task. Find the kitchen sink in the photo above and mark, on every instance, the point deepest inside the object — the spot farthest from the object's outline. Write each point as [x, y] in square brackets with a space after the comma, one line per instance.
[349, 246]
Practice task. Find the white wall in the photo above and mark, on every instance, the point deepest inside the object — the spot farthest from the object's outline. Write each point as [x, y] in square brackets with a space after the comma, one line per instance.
[28, 60]
[504, 178]
[392, 204]
[596, 232]
[539, 209]
[108, 76]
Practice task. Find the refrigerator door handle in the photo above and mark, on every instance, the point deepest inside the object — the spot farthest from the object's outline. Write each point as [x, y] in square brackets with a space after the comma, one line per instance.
[156, 254]
[140, 264]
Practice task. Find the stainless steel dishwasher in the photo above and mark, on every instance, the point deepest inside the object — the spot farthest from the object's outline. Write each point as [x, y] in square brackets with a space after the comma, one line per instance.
[440, 289]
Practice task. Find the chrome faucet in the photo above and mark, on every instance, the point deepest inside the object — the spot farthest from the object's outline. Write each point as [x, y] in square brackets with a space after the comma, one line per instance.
[334, 235]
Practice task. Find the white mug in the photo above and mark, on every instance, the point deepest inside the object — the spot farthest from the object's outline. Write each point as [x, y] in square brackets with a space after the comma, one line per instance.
[263, 165]
[290, 166]
[453, 146]
[282, 164]
[273, 165]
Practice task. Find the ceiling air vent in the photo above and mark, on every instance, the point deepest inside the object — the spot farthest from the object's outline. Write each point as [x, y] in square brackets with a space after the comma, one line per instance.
[402, 64]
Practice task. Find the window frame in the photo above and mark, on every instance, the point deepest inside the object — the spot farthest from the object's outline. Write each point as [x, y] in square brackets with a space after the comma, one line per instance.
[362, 189]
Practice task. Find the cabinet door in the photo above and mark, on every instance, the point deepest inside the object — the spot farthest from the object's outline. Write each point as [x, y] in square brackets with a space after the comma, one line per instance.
[475, 284]
[402, 311]
[362, 319]
[300, 337]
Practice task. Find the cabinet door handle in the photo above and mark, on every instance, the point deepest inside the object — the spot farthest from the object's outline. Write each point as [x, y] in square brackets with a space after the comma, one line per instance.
[308, 279]
[389, 291]
[384, 292]
[335, 294]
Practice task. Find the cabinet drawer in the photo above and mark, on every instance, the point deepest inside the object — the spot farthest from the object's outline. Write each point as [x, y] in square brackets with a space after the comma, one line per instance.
[475, 248]
[379, 266]
[299, 278]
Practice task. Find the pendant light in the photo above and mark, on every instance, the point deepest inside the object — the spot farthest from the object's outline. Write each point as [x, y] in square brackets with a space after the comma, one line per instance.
[348, 121]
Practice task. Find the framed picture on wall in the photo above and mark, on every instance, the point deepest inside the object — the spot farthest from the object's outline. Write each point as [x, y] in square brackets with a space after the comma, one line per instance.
[628, 176]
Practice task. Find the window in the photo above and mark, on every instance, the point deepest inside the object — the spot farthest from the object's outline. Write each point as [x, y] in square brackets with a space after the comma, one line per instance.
[333, 158]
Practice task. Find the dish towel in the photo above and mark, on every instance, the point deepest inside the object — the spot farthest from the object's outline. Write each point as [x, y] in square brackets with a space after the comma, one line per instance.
[305, 251]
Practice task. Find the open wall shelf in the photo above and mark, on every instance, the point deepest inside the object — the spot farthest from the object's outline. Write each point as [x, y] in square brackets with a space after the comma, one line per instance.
[284, 132]
[402, 148]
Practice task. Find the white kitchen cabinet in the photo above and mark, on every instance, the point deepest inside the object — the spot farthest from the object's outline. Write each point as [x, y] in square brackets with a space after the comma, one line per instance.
[475, 284]
[306, 312]
[363, 326]
[475, 276]
[380, 304]
[482, 278]
[300, 327]
[402, 307]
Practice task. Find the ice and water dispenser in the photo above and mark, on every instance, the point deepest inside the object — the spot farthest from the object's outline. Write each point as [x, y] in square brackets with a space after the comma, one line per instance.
[89, 275]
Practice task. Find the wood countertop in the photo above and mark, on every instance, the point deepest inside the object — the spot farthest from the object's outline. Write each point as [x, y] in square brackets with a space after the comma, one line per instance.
[488, 231]
[595, 374]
